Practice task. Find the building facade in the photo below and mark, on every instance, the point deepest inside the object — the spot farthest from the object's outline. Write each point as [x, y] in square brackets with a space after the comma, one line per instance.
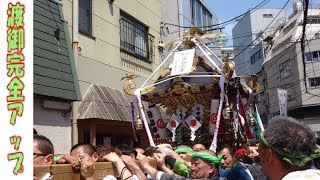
[56, 84]
[185, 13]
[284, 68]
[179, 14]
[250, 26]
[115, 39]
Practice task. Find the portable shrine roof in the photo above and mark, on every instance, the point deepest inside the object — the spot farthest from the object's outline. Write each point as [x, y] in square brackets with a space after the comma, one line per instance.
[169, 90]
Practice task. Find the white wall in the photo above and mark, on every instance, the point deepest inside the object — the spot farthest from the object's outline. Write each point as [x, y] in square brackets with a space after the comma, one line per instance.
[246, 30]
[101, 61]
[55, 125]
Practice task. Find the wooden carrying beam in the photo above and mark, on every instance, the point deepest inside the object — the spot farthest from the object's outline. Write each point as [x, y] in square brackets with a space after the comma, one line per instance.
[65, 172]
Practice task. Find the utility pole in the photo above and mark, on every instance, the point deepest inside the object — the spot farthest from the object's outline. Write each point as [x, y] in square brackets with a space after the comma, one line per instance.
[302, 41]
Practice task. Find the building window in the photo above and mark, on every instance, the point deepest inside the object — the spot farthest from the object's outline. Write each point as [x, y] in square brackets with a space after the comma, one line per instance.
[85, 16]
[252, 59]
[312, 56]
[281, 45]
[135, 39]
[200, 15]
[256, 57]
[267, 16]
[204, 18]
[290, 27]
[314, 82]
[285, 69]
[196, 13]
[313, 20]
[210, 22]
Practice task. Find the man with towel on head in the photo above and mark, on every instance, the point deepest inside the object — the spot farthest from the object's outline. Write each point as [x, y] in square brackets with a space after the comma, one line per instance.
[204, 165]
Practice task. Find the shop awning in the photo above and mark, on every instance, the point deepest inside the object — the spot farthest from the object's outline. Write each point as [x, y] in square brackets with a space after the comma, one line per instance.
[106, 103]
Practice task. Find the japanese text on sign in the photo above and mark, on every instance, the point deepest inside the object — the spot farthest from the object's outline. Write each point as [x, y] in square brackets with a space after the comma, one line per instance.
[182, 62]
[15, 71]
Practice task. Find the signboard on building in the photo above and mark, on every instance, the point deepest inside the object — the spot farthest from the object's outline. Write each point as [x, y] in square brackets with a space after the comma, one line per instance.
[283, 95]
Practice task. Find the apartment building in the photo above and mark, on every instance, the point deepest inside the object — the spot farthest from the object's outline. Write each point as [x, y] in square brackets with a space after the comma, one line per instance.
[247, 48]
[111, 39]
[284, 68]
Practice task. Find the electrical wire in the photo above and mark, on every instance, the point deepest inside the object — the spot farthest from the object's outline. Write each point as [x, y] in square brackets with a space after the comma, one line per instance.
[247, 62]
[291, 42]
[263, 30]
[314, 95]
[276, 40]
[314, 73]
[228, 21]
[304, 23]
[308, 41]
[266, 70]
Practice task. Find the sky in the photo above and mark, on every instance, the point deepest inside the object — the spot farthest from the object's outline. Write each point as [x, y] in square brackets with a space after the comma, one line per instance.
[228, 9]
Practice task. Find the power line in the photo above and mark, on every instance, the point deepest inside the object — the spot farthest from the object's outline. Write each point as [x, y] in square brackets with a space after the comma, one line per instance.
[286, 52]
[314, 73]
[291, 42]
[247, 62]
[305, 17]
[269, 82]
[263, 30]
[295, 82]
[246, 34]
[233, 19]
[278, 38]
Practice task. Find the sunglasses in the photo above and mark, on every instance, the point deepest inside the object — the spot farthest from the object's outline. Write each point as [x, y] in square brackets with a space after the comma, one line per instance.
[38, 154]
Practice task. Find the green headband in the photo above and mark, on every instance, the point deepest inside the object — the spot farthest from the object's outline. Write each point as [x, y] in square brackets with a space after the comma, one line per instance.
[183, 150]
[287, 156]
[207, 157]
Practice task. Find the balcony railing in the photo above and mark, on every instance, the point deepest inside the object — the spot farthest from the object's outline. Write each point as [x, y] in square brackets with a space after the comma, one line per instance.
[136, 41]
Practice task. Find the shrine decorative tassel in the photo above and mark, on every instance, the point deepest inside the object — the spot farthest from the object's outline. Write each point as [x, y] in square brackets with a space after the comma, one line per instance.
[213, 146]
[243, 83]
[246, 126]
[259, 119]
[160, 126]
[133, 122]
[213, 115]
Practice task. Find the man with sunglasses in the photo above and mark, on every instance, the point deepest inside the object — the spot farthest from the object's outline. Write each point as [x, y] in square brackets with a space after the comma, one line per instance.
[43, 151]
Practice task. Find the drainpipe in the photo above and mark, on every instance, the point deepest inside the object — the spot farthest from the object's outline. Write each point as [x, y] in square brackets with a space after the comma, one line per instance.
[75, 23]
[178, 5]
[75, 30]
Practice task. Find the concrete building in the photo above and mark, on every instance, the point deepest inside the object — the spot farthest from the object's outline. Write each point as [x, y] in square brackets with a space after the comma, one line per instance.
[284, 68]
[114, 38]
[225, 51]
[187, 13]
[249, 27]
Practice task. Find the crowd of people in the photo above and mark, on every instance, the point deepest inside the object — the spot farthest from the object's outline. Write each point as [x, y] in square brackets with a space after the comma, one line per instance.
[287, 149]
